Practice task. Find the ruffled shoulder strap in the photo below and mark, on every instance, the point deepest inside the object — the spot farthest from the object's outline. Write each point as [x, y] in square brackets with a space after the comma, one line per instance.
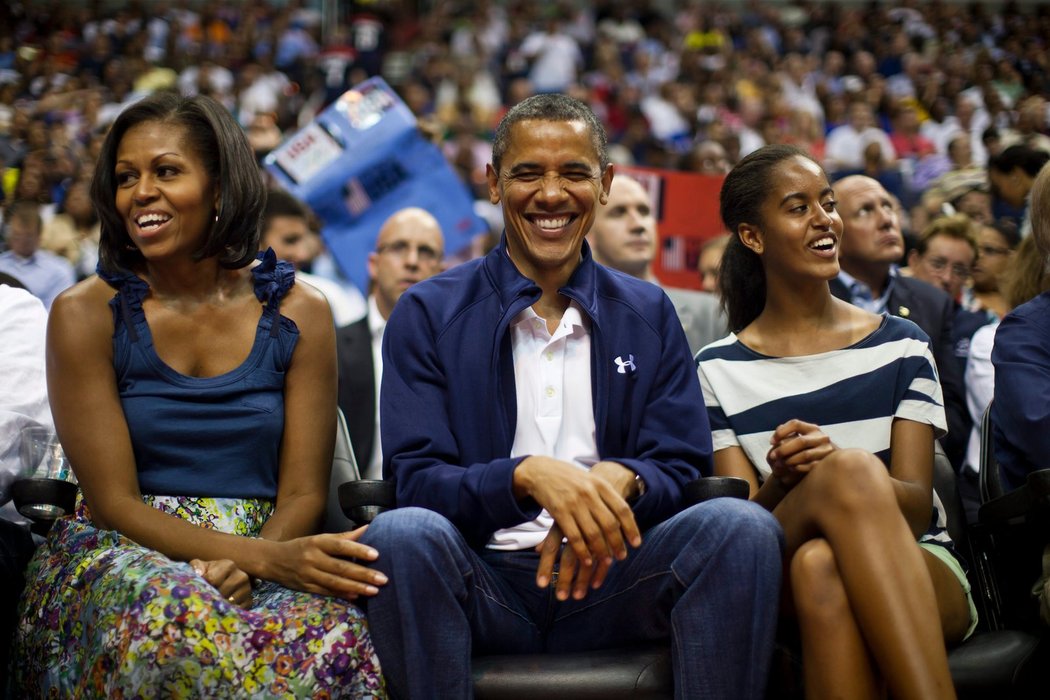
[127, 304]
[272, 279]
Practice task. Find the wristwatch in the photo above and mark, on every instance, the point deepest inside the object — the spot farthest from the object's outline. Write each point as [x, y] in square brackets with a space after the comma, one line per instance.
[639, 490]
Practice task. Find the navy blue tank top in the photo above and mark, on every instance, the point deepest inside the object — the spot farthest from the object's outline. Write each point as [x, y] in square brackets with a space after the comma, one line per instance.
[214, 437]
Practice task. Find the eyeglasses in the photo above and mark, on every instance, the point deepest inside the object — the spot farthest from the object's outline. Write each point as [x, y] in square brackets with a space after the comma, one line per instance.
[958, 270]
[991, 250]
[400, 249]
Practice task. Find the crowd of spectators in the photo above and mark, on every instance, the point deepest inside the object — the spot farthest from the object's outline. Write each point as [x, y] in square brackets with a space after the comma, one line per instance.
[921, 104]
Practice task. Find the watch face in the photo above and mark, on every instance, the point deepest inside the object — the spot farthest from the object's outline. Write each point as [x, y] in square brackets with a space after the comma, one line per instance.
[639, 486]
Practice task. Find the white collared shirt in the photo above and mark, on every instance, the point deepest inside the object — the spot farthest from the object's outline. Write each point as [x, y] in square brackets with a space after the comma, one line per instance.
[376, 325]
[552, 379]
[23, 389]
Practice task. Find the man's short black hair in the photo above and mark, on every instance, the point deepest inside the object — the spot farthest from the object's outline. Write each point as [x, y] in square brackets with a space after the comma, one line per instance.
[281, 203]
[550, 107]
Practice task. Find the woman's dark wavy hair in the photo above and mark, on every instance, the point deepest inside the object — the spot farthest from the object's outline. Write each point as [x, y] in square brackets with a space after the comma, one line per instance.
[220, 143]
[741, 276]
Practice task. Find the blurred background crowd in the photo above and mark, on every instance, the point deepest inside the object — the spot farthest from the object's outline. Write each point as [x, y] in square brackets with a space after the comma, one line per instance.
[922, 96]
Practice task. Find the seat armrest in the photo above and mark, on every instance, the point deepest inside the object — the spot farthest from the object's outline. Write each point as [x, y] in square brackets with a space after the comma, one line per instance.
[1020, 502]
[363, 499]
[43, 500]
[1039, 483]
[708, 487]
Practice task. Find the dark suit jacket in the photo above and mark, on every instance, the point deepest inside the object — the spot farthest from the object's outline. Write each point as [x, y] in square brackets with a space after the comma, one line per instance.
[932, 311]
[357, 389]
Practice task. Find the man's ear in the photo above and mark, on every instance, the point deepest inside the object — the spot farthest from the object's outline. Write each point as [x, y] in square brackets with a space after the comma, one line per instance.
[493, 179]
[751, 236]
[913, 258]
[607, 178]
[372, 259]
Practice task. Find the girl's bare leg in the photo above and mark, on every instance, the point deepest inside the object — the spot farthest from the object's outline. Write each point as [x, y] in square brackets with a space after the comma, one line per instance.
[836, 660]
[849, 502]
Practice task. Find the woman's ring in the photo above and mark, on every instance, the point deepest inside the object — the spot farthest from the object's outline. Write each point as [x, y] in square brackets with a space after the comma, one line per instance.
[231, 599]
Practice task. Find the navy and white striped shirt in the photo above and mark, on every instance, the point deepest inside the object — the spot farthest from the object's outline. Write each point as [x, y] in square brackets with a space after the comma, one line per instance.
[854, 394]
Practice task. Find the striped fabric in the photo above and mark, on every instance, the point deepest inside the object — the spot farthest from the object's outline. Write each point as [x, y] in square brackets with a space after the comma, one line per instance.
[853, 394]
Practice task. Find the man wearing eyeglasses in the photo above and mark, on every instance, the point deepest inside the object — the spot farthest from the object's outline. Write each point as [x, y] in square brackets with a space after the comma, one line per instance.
[871, 248]
[409, 249]
[944, 256]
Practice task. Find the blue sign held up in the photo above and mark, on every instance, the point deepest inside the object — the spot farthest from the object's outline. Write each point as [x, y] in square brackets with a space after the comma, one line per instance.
[362, 159]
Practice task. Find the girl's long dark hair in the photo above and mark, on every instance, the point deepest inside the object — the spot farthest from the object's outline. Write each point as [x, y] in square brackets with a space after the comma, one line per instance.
[741, 276]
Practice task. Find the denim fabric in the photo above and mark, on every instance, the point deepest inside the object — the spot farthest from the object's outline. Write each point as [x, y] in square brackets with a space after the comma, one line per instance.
[707, 579]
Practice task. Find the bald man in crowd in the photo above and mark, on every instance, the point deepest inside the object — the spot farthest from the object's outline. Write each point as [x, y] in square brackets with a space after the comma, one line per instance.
[409, 249]
[871, 249]
[623, 237]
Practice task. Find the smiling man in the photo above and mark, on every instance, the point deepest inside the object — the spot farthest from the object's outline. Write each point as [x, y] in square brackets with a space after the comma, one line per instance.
[872, 246]
[533, 398]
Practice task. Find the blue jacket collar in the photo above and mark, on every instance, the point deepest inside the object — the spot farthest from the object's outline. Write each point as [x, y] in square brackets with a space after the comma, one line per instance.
[512, 287]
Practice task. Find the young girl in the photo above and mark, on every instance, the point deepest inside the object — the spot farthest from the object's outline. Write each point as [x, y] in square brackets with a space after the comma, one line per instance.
[830, 412]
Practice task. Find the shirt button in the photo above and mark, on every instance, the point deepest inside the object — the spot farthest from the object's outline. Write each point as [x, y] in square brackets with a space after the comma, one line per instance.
[550, 392]
[549, 355]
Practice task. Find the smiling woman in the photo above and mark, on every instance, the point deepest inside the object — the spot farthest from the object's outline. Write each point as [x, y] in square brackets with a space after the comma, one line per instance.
[830, 413]
[194, 393]
[164, 192]
[200, 135]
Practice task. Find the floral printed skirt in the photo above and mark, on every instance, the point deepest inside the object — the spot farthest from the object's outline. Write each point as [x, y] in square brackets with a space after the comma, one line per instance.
[103, 617]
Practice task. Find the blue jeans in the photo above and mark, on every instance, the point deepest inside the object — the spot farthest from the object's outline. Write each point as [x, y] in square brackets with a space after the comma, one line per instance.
[707, 579]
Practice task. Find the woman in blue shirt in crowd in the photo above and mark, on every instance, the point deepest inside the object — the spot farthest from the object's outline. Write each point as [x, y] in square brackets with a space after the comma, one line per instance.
[193, 390]
[1021, 356]
[830, 412]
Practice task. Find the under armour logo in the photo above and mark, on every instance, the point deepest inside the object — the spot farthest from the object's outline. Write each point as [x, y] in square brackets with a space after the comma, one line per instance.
[627, 367]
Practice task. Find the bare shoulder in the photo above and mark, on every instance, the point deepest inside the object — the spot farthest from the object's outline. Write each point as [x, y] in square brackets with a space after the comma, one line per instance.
[861, 323]
[85, 306]
[306, 306]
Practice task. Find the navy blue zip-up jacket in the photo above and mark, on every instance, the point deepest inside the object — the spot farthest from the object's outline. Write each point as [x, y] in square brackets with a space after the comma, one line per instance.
[448, 406]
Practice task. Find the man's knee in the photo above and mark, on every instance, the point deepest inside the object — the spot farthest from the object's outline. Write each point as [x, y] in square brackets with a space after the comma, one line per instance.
[732, 540]
[738, 521]
[406, 529]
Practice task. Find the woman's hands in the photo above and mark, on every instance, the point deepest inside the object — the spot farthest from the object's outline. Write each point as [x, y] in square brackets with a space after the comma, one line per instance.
[322, 564]
[232, 584]
[796, 447]
[325, 564]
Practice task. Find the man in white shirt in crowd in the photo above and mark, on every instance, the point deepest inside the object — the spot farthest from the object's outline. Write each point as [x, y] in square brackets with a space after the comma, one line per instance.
[43, 273]
[286, 227]
[410, 248]
[623, 237]
[845, 146]
[23, 403]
